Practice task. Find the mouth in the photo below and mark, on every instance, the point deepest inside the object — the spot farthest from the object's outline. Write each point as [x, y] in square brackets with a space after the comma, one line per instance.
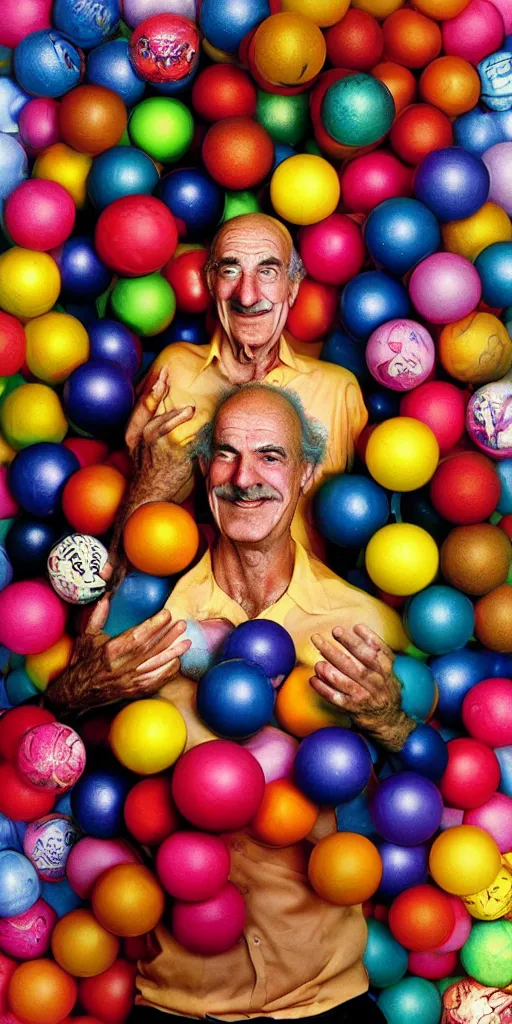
[245, 503]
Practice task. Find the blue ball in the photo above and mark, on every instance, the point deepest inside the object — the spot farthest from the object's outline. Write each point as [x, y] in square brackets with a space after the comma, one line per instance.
[504, 121]
[332, 765]
[37, 475]
[61, 897]
[6, 572]
[342, 350]
[406, 809]
[452, 182]
[499, 665]
[19, 687]
[359, 578]
[371, 299]
[109, 65]
[439, 619]
[281, 152]
[98, 801]
[174, 88]
[98, 398]
[504, 755]
[235, 699]
[114, 342]
[384, 958]
[184, 327]
[402, 867]
[411, 1001]
[9, 837]
[382, 405]
[504, 470]
[12, 101]
[83, 275]
[401, 232]
[226, 22]
[454, 675]
[418, 686]
[87, 23]
[47, 64]
[264, 643]
[494, 72]
[121, 171]
[348, 510]
[13, 165]
[425, 752]
[477, 130]
[29, 543]
[194, 199]
[354, 816]
[20, 886]
[138, 598]
[494, 264]
[63, 804]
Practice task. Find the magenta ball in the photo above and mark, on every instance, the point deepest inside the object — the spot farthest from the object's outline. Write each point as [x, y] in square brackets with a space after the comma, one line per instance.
[400, 354]
[192, 866]
[20, 17]
[333, 250]
[39, 214]
[370, 179]
[32, 618]
[211, 926]
[218, 786]
[432, 965]
[274, 750]
[90, 857]
[28, 935]
[445, 288]
[39, 123]
[451, 817]
[498, 160]
[51, 757]
[461, 928]
[475, 33]
[495, 817]
[487, 712]
[8, 506]
[505, 9]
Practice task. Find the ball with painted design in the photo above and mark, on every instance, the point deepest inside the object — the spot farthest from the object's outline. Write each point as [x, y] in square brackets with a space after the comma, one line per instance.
[74, 567]
[400, 354]
[47, 843]
[51, 757]
[165, 48]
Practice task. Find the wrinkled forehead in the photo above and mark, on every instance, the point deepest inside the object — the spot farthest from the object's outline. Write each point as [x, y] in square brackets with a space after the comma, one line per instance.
[253, 242]
[250, 421]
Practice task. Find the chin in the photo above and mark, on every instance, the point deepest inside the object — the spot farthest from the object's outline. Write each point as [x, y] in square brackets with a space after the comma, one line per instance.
[256, 333]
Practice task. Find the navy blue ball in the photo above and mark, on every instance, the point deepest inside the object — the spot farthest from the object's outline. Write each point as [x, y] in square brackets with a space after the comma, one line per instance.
[225, 23]
[401, 232]
[264, 643]
[185, 327]
[29, 543]
[83, 274]
[348, 510]
[98, 801]
[454, 675]
[121, 171]
[406, 809]
[281, 152]
[342, 350]
[47, 64]
[109, 65]
[37, 475]
[139, 597]
[499, 665]
[359, 578]
[332, 765]
[402, 867]
[235, 699]
[425, 752]
[494, 264]
[382, 405]
[98, 397]
[371, 299]
[9, 838]
[477, 130]
[194, 199]
[114, 342]
[61, 897]
[89, 23]
[452, 182]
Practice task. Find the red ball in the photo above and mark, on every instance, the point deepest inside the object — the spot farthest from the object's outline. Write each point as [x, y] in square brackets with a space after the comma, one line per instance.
[333, 250]
[110, 995]
[218, 786]
[18, 799]
[223, 90]
[165, 48]
[356, 41]
[471, 776]
[487, 712]
[185, 274]
[506, 524]
[39, 214]
[136, 235]
[313, 311]
[238, 152]
[12, 345]
[465, 488]
[211, 926]
[149, 811]
[442, 407]
[193, 866]
[370, 179]
[418, 130]
[433, 965]
[88, 451]
[421, 918]
[16, 722]
[7, 969]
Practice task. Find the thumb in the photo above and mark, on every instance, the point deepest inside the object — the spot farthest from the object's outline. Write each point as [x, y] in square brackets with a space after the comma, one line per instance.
[99, 616]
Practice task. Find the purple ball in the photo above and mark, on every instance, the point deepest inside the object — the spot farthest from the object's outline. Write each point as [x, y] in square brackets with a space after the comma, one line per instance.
[332, 765]
[402, 867]
[498, 160]
[445, 288]
[406, 809]
[114, 342]
[264, 643]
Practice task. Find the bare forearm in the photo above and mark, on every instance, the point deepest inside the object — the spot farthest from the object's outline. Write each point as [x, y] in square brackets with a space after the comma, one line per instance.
[389, 731]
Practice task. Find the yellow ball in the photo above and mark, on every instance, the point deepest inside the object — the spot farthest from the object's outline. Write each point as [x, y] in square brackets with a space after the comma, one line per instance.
[469, 236]
[401, 559]
[494, 901]
[148, 736]
[441, 10]
[402, 454]
[81, 946]
[29, 282]
[56, 344]
[322, 12]
[219, 56]
[464, 859]
[379, 8]
[70, 169]
[289, 49]
[304, 189]
[6, 452]
[476, 349]
[32, 413]
[45, 667]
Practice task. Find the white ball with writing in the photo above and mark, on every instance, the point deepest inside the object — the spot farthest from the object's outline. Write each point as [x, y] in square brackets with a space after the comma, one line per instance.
[74, 565]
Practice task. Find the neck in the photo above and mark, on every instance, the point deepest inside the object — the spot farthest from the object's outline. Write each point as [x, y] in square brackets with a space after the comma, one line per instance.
[254, 576]
[242, 364]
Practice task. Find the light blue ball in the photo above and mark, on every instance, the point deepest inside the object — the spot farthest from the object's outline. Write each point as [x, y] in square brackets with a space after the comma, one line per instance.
[504, 755]
[418, 686]
[47, 64]
[138, 598]
[20, 885]
[226, 22]
[496, 77]
[12, 101]
[13, 164]
[454, 675]
[439, 619]
[9, 835]
[87, 22]
[5, 568]
[411, 1001]
[199, 658]
[504, 470]
[19, 687]
[384, 958]
[477, 130]
[109, 65]
[354, 816]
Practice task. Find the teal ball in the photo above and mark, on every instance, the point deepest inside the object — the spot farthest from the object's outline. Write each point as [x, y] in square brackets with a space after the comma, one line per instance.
[385, 959]
[357, 110]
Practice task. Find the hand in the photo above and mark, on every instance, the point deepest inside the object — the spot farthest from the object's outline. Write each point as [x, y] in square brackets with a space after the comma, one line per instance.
[144, 428]
[357, 676]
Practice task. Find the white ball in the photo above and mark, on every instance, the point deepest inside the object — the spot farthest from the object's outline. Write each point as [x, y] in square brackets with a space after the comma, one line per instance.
[74, 565]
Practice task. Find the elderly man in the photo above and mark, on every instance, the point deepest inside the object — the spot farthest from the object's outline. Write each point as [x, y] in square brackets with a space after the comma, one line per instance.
[253, 275]
[299, 956]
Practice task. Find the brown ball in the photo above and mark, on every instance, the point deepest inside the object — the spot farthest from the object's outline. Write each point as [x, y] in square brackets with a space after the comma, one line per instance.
[493, 620]
[476, 559]
[92, 119]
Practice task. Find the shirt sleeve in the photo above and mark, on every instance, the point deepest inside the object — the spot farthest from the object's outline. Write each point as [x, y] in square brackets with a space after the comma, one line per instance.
[356, 417]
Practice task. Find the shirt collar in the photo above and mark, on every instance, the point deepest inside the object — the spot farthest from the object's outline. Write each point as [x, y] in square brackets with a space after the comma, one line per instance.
[286, 354]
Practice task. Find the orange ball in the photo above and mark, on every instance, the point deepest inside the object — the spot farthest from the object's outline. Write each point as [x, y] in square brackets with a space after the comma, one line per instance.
[161, 538]
[356, 41]
[400, 82]
[92, 119]
[411, 39]
[238, 152]
[91, 498]
[345, 868]
[476, 558]
[40, 992]
[127, 900]
[493, 619]
[421, 918]
[300, 709]
[81, 946]
[285, 815]
[313, 311]
[441, 10]
[418, 130]
[43, 668]
[451, 84]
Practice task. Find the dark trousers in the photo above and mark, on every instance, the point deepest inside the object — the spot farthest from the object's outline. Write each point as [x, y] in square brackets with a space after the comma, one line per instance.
[361, 1010]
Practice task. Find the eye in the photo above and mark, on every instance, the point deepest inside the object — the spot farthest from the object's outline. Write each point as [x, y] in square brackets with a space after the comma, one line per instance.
[269, 273]
[270, 458]
[229, 273]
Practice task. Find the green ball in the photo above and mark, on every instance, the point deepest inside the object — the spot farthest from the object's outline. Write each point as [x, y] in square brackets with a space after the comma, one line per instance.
[357, 110]
[411, 1001]
[445, 983]
[384, 958]
[286, 118]
[487, 954]
[163, 127]
[238, 203]
[311, 146]
[145, 304]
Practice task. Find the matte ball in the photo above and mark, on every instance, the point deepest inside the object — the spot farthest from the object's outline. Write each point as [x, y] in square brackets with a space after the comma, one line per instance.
[468, 351]
[497, 161]
[477, 130]
[464, 859]
[445, 287]
[493, 623]
[401, 559]
[421, 918]
[487, 953]
[19, 800]
[21, 19]
[439, 619]
[235, 698]
[357, 110]
[371, 299]
[148, 736]
[401, 232]
[47, 64]
[452, 84]
[400, 82]
[465, 488]
[185, 274]
[275, 751]
[98, 397]
[313, 311]
[37, 476]
[81, 946]
[418, 130]
[474, 33]
[90, 857]
[16, 722]
[304, 189]
[136, 235]
[160, 538]
[472, 774]
[110, 994]
[40, 992]
[91, 498]
[455, 674]
[402, 867]
[226, 22]
[109, 65]
[210, 926]
[39, 214]
[495, 817]
[193, 198]
[333, 250]
[370, 179]
[355, 41]
[476, 559]
[349, 509]
[149, 812]
[442, 407]
[285, 815]
[494, 264]
[63, 164]
[345, 869]
[144, 304]
[30, 414]
[113, 341]
[264, 643]
[289, 49]
[127, 900]
[218, 786]
[56, 344]
[402, 454]
[163, 127]
[424, 751]
[12, 344]
[452, 183]
[121, 171]
[286, 118]
[192, 866]
[84, 276]
[486, 712]
[332, 766]
[20, 886]
[31, 617]
[470, 236]
[237, 152]
[406, 809]
[223, 90]
[27, 936]
[419, 693]
[97, 801]
[411, 39]
[384, 958]
[92, 119]
[139, 597]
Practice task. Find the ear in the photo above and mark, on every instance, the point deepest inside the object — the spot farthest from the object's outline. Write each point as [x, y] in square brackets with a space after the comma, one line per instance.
[210, 281]
[293, 290]
[203, 465]
[308, 477]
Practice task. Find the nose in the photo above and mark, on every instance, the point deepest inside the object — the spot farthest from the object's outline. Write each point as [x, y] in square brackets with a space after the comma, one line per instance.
[248, 292]
[243, 471]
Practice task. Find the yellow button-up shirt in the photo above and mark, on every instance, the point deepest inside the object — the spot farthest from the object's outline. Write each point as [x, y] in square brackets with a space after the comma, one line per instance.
[298, 955]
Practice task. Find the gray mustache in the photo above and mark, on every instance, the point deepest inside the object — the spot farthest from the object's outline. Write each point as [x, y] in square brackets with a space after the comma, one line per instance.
[263, 306]
[256, 492]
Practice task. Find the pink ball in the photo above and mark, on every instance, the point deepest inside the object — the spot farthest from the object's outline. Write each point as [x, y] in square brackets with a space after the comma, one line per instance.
[495, 817]
[90, 857]
[20, 17]
[498, 160]
[28, 935]
[8, 506]
[51, 756]
[505, 9]
[442, 407]
[372, 178]
[445, 288]
[213, 925]
[333, 250]
[487, 712]
[400, 354]
[274, 750]
[477, 31]
[32, 618]
[47, 844]
[461, 928]
[451, 817]
[218, 786]
[135, 11]
[192, 866]
[39, 214]
[432, 965]
[39, 123]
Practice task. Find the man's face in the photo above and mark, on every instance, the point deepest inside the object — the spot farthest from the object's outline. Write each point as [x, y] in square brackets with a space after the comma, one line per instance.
[256, 473]
[250, 283]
